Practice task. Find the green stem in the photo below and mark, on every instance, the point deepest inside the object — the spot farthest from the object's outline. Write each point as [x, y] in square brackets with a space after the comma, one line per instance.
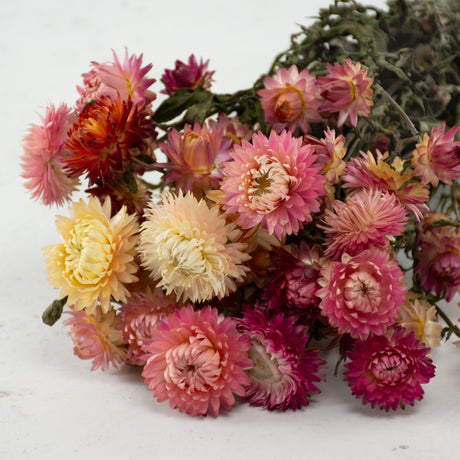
[447, 320]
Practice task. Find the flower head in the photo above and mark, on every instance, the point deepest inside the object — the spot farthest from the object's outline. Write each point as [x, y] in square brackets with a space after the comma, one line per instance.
[362, 294]
[388, 371]
[43, 161]
[187, 247]
[369, 218]
[371, 171]
[96, 336]
[187, 76]
[437, 158]
[346, 90]
[284, 372]
[95, 260]
[139, 318]
[196, 157]
[197, 359]
[274, 182]
[106, 136]
[128, 79]
[289, 99]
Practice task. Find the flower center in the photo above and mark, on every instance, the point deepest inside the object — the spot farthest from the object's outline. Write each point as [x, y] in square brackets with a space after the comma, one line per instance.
[362, 292]
[266, 368]
[289, 105]
[353, 89]
[389, 369]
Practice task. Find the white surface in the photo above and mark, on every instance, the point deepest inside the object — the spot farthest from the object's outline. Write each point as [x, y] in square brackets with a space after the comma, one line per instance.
[51, 405]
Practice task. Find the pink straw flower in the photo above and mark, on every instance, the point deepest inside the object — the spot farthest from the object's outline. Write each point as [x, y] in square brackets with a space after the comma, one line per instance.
[437, 158]
[346, 90]
[197, 359]
[362, 294]
[43, 161]
[139, 319]
[388, 371]
[289, 100]
[96, 336]
[187, 76]
[369, 218]
[274, 182]
[284, 372]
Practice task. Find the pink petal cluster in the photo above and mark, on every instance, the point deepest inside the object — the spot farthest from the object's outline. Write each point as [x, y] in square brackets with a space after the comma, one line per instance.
[273, 181]
[347, 91]
[96, 336]
[197, 360]
[196, 156]
[362, 294]
[437, 158]
[368, 218]
[438, 258]
[187, 76]
[289, 100]
[284, 372]
[139, 319]
[388, 371]
[45, 152]
[127, 80]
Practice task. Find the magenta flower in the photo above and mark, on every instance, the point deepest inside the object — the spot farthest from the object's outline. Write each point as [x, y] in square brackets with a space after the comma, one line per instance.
[45, 152]
[284, 372]
[388, 371]
[438, 259]
[197, 360]
[362, 294]
[289, 100]
[369, 218]
[187, 76]
[437, 158]
[347, 91]
[273, 182]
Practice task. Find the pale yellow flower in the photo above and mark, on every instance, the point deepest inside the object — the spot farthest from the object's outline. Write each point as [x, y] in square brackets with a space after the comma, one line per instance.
[188, 248]
[96, 258]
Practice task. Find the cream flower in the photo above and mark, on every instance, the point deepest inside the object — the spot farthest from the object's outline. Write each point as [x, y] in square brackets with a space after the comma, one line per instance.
[188, 248]
[96, 257]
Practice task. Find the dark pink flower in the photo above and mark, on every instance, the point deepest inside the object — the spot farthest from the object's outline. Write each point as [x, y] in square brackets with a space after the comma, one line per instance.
[284, 372]
[187, 76]
[388, 371]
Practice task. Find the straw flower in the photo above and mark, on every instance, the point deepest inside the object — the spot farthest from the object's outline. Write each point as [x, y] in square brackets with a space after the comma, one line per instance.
[187, 248]
[95, 260]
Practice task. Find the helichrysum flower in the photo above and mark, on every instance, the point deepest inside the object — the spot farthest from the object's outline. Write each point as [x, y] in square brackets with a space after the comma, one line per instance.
[128, 79]
[388, 371]
[196, 156]
[188, 248]
[438, 259]
[192, 75]
[274, 182]
[419, 317]
[437, 158]
[368, 218]
[347, 91]
[96, 336]
[197, 360]
[139, 318]
[105, 138]
[362, 294]
[285, 372]
[371, 171]
[96, 258]
[43, 161]
[289, 100]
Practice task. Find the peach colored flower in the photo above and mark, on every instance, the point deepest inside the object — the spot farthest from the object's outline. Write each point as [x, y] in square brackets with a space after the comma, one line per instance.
[43, 161]
[273, 182]
[197, 359]
[95, 260]
[289, 100]
[188, 248]
[346, 90]
[97, 337]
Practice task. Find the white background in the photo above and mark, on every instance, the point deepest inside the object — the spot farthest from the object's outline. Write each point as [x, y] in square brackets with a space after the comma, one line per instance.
[51, 405]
